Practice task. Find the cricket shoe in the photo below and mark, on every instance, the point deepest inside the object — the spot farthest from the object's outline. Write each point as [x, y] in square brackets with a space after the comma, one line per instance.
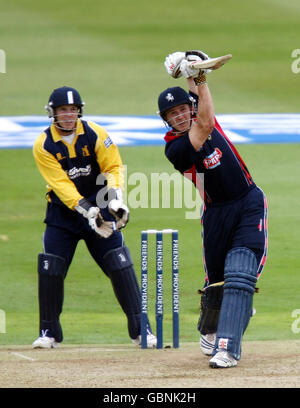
[207, 343]
[222, 359]
[45, 342]
[151, 340]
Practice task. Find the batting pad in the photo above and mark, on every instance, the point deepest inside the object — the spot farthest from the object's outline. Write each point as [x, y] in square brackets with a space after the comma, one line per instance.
[51, 270]
[118, 266]
[240, 280]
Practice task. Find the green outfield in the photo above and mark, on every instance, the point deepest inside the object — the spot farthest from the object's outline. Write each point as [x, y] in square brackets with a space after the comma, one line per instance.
[113, 53]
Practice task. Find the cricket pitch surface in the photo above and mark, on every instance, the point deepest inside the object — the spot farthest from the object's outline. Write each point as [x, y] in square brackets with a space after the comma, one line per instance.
[264, 364]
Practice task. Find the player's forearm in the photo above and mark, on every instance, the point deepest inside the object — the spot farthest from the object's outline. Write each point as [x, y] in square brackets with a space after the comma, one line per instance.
[115, 177]
[68, 195]
[192, 86]
[205, 119]
[206, 111]
[111, 165]
[64, 188]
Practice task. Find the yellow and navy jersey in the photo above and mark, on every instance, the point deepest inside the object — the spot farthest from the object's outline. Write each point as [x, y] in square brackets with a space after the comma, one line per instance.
[71, 170]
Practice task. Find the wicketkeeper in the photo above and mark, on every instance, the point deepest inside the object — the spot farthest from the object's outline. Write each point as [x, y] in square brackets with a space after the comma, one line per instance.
[84, 174]
[234, 215]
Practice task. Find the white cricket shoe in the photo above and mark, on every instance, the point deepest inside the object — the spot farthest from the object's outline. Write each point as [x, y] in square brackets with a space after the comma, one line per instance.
[45, 342]
[222, 359]
[207, 343]
[151, 340]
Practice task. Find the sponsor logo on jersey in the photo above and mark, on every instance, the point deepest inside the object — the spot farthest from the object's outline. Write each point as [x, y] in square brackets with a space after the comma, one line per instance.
[82, 171]
[213, 160]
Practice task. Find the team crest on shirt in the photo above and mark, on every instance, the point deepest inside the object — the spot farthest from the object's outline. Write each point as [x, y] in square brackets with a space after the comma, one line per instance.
[60, 157]
[85, 151]
[213, 160]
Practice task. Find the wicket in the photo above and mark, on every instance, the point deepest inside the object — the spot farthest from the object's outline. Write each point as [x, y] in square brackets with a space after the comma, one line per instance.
[159, 306]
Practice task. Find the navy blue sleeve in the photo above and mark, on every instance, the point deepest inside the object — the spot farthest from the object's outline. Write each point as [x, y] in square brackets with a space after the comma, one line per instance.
[181, 153]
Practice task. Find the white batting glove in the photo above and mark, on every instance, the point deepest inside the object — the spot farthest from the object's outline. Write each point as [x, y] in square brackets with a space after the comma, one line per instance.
[120, 211]
[172, 63]
[95, 219]
[188, 70]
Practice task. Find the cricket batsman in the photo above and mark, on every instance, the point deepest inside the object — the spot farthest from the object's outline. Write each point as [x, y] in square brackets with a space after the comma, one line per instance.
[85, 181]
[234, 218]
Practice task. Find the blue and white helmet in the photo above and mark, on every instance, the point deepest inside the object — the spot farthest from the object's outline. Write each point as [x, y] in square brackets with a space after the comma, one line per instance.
[64, 96]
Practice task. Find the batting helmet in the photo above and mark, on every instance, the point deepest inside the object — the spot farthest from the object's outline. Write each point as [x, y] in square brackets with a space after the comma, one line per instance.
[64, 96]
[172, 97]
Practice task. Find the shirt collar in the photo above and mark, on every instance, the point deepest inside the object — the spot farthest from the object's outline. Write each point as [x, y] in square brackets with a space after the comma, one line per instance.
[57, 137]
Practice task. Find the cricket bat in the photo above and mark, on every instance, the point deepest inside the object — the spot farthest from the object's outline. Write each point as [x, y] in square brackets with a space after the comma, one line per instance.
[211, 63]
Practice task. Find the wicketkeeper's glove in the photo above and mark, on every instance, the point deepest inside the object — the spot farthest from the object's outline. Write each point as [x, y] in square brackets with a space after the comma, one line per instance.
[117, 208]
[95, 219]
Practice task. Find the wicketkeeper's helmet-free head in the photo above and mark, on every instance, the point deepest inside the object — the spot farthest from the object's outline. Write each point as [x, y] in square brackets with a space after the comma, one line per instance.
[172, 97]
[64, 96]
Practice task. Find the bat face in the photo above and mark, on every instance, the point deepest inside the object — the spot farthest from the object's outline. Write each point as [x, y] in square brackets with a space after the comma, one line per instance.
[212, 63]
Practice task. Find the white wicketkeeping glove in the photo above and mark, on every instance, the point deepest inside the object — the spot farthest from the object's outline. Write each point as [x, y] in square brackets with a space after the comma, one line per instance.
[95, 219]
[172, 63]
[120, 211]
[189, 71]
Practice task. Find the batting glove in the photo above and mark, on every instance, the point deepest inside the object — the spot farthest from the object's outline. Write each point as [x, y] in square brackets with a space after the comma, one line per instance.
[188, 70]
[197, 53]
[172, 64]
